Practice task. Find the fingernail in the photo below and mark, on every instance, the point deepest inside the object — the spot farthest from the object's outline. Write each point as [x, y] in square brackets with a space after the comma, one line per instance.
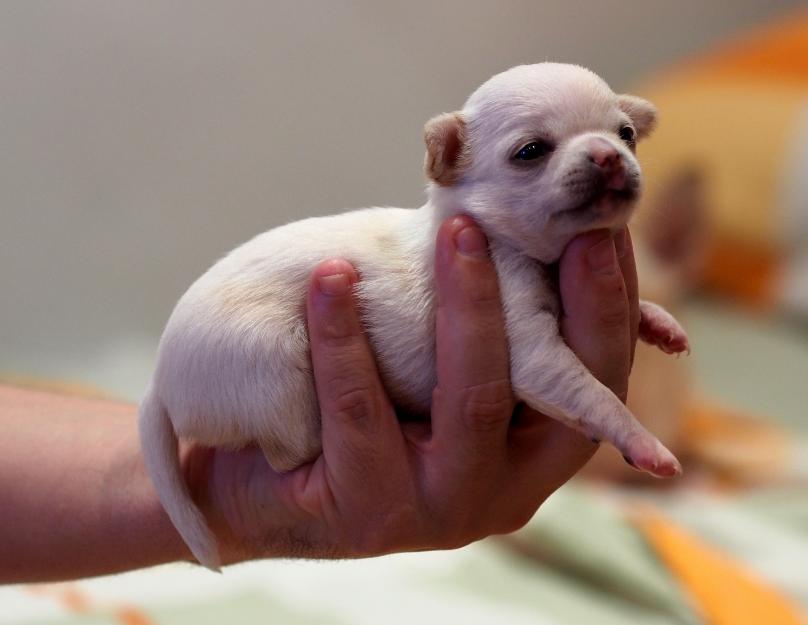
[471, 242]
[621, 243]
[601, 257]
[335, 285]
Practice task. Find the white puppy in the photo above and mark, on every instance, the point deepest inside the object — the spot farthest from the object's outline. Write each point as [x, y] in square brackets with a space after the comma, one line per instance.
[538, 154]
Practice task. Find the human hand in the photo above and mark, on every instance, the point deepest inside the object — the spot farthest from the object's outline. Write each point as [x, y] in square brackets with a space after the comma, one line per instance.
[381, 486]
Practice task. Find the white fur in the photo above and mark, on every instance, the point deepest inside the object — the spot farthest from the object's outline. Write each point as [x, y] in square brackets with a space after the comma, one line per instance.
[234, 367]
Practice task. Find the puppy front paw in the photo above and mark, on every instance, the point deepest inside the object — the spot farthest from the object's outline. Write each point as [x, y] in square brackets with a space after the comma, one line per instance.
[658, 327]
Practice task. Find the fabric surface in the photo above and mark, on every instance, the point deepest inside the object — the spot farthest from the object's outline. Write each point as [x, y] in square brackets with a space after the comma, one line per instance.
[582, 560]
[723, 590]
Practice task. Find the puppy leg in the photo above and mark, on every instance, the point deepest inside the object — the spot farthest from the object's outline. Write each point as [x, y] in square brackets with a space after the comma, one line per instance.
[658, 327]
[550, 378]
[296, 439]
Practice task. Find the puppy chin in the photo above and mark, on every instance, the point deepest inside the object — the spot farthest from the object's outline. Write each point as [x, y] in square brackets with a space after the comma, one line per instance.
[615, 207]
[607, 209]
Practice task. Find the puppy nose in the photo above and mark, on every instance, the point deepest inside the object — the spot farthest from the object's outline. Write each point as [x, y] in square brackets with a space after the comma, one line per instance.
[603, 154]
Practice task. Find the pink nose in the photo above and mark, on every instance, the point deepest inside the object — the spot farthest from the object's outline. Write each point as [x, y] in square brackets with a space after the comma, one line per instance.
[606, 156]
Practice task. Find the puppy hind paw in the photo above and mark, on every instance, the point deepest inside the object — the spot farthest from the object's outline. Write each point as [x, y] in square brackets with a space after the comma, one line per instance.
[658, 327]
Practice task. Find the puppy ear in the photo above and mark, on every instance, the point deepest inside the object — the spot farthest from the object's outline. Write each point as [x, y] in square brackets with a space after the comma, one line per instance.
[642, 113]
[445, 138]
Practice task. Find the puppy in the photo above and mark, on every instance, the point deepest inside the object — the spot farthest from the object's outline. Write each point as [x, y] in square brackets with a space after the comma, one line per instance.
[538, 154]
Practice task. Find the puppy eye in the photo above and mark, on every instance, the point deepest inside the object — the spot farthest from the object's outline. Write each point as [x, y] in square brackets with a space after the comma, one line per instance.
[533, 150]
[627, 135]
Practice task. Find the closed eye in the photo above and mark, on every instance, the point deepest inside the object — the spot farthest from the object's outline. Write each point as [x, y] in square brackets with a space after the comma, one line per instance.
[533, 150]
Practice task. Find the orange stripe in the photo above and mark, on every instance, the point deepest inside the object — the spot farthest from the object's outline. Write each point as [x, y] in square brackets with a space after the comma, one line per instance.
[725, 591]
[132, 616]
[742, 270]
[74, 600]
[776, 51]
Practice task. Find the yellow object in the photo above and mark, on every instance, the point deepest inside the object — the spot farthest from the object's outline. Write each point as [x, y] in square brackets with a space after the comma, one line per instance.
[735, 114]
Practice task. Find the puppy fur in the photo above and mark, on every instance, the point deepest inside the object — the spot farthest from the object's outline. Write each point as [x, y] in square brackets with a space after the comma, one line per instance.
[233, 365]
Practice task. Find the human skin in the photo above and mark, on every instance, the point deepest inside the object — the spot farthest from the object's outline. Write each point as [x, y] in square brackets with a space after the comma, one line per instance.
[77, 500]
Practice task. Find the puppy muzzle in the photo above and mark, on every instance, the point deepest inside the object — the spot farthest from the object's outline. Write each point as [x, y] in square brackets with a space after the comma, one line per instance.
[609, 170]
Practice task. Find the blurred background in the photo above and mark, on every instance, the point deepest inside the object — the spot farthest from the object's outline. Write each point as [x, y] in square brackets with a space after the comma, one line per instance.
[142, 141]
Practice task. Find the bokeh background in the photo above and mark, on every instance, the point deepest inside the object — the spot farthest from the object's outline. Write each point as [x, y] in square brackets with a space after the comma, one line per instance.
[141, 141]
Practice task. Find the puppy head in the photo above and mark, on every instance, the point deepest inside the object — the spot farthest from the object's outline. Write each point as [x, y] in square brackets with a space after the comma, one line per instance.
[539, 154]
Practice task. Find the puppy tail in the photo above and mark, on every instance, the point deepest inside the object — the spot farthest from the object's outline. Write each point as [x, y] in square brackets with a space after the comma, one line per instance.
[159, 445]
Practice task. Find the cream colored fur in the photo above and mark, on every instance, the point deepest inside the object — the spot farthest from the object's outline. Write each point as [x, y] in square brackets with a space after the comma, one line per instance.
[233, 365]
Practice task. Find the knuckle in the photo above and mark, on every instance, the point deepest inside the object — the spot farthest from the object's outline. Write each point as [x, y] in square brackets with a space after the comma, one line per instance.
[487, 406]
[343, 364]
[337, 337]
[354, 403]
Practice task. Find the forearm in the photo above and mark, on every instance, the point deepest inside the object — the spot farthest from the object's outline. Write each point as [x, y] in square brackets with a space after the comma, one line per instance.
[75, 498]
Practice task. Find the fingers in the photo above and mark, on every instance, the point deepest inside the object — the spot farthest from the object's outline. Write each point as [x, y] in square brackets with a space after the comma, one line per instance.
[359, 425]
[625, 257]
[597, 319]
[472, 403]
[547, 453]
[597, 280]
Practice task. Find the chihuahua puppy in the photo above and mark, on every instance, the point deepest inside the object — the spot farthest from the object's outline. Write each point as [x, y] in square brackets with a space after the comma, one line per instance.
[538, 154]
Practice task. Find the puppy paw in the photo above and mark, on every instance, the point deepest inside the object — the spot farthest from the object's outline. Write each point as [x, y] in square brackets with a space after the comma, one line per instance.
[647, 454]
[658, 327]
[639, 447]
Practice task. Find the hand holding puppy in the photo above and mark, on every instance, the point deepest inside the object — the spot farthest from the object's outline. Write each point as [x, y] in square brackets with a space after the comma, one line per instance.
[381, 486]
[538, 155]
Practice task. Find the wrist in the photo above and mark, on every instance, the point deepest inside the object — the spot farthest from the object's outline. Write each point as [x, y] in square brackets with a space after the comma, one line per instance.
[131, 510]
